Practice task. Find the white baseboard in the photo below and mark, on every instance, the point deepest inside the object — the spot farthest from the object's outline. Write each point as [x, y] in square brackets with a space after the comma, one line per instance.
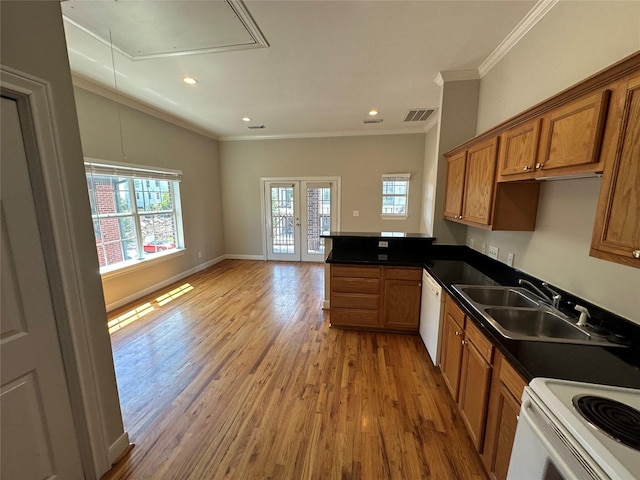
[153, 288]
[325, 305]
[234, 256]
[118, 448]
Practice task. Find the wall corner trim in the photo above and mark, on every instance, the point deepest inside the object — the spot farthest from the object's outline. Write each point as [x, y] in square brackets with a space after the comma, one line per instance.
[536, 14]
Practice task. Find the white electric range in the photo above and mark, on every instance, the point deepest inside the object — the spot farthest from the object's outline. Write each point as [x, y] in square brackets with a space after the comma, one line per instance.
[576, 431]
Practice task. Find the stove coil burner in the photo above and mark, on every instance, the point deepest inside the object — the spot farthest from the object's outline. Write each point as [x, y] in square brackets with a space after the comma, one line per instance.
[617, 420]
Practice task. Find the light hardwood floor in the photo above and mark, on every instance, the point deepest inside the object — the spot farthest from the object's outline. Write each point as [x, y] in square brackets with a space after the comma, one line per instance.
[242, 378]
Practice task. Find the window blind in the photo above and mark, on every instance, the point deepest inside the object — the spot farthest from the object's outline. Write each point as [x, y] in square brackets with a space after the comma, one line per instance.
[132, 171]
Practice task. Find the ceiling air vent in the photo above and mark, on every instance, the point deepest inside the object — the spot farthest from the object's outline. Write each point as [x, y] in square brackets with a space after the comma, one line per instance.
[418, 114]
[373, 120]
[254, 127]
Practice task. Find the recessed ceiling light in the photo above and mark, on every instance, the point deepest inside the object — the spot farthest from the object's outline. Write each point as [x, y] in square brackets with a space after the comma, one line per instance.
[189, 80]
[246, 119]
[373, 112]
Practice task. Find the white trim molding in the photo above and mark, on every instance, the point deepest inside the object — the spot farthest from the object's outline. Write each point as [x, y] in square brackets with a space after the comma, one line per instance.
[456, 76]
[536, 14]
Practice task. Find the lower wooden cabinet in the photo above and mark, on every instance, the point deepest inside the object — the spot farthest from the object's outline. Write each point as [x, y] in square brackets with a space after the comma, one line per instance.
[504, 407]
[485, 386]
[452, 338]
[375, 297]
[475, 382]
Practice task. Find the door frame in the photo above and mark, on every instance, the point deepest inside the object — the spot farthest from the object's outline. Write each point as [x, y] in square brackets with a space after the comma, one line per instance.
[78, 341]
[301, 180]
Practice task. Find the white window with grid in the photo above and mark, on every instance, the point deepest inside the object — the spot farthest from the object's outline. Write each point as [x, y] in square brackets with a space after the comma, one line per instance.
[395, 196]
[136, 213]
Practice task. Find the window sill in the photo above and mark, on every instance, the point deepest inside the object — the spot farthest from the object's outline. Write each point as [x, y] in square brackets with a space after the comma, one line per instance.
[134, 265]
[393, 217]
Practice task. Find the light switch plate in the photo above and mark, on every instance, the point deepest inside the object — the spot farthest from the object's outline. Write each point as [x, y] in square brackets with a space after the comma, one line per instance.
[510, 259]
[484, 248]
[383, 244]
[356, 213]
[493, 252]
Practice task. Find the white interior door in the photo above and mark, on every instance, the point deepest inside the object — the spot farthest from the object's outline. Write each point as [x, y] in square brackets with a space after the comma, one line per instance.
[38, 435]
[282, 220]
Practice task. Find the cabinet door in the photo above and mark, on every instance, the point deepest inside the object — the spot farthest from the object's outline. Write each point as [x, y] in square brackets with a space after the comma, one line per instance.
[454, 189]
[402, 304]
[519, 149]
[616, 234]
[480, 182]
[474, 392]
[451, 359]
[572, 135]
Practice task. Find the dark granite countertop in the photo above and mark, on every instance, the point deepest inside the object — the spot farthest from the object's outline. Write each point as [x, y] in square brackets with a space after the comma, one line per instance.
[618, 366]
[452, 265]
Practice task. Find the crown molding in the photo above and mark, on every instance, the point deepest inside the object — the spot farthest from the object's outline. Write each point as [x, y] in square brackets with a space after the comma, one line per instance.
[82, 82]
[352, 133]
[536, 14]
[456, 76]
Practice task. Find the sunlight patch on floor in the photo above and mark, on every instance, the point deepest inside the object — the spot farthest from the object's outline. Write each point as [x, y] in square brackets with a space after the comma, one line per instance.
[139, 312]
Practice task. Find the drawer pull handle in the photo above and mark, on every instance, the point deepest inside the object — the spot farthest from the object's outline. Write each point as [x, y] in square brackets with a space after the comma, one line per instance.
[636, 254]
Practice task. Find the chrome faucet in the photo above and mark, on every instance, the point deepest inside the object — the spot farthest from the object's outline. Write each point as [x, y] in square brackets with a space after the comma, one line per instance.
[553, 299]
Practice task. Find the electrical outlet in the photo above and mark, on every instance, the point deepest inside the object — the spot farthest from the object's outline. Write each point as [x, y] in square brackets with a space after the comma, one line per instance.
[493, 252]
[471, 243]
[199, 254]
[510, 259]
[484, 248]
[356, 213]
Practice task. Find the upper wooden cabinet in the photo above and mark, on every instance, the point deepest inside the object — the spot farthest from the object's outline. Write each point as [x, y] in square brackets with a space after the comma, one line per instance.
[571, 136]
[616, 235]
[472, 196]
[519, 149]
[565, 141]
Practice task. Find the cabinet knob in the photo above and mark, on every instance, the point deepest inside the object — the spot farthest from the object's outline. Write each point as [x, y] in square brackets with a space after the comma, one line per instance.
[527, 168]
[458, 333]
[463, 342]
[636, 254]
[539, 165]
[460, 216]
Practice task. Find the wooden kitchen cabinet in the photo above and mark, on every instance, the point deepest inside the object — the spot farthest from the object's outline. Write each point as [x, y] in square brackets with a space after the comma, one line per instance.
[355, 296]
[375, 297]
[571, 136]
[519, 150]
[616, 235]
[504, 407]
[452, 337]
[402, 294]
[475, 382]
[456, 167]
[473, 197]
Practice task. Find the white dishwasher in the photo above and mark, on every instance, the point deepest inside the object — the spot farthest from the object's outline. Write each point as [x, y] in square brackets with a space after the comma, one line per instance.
[431, 311]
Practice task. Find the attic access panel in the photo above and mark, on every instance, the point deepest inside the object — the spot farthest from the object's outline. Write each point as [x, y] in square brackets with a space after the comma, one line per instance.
[152, 29]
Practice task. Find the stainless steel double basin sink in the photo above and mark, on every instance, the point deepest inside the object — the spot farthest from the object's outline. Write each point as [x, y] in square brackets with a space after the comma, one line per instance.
[518, 314]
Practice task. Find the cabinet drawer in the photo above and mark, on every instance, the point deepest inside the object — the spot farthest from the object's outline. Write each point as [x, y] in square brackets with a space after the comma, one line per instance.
[482, 344]
[403, 273]
[351, 271]
[451, 308]
[346, 317]
[355, 285]
[355, 300]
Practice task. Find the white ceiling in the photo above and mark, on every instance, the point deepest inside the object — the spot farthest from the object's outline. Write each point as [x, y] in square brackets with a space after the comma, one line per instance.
[326, 65]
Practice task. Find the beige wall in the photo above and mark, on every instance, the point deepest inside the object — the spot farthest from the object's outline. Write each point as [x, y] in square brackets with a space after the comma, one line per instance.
[573, 41]
[150, 141]
[33, 42]
[360, 161]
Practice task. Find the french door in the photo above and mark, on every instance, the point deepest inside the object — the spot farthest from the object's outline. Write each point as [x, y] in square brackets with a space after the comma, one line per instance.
[296, 213]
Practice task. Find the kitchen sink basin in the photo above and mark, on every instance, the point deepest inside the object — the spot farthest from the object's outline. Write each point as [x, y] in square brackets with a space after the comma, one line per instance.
[517, 313]
[543, 324]
[498, 296]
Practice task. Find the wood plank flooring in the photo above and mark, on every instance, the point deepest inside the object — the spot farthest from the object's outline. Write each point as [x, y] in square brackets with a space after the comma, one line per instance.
[241, 377]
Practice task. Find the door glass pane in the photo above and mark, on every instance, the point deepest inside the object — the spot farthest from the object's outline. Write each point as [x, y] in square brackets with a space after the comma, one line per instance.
[318, 217]
[282, 219]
